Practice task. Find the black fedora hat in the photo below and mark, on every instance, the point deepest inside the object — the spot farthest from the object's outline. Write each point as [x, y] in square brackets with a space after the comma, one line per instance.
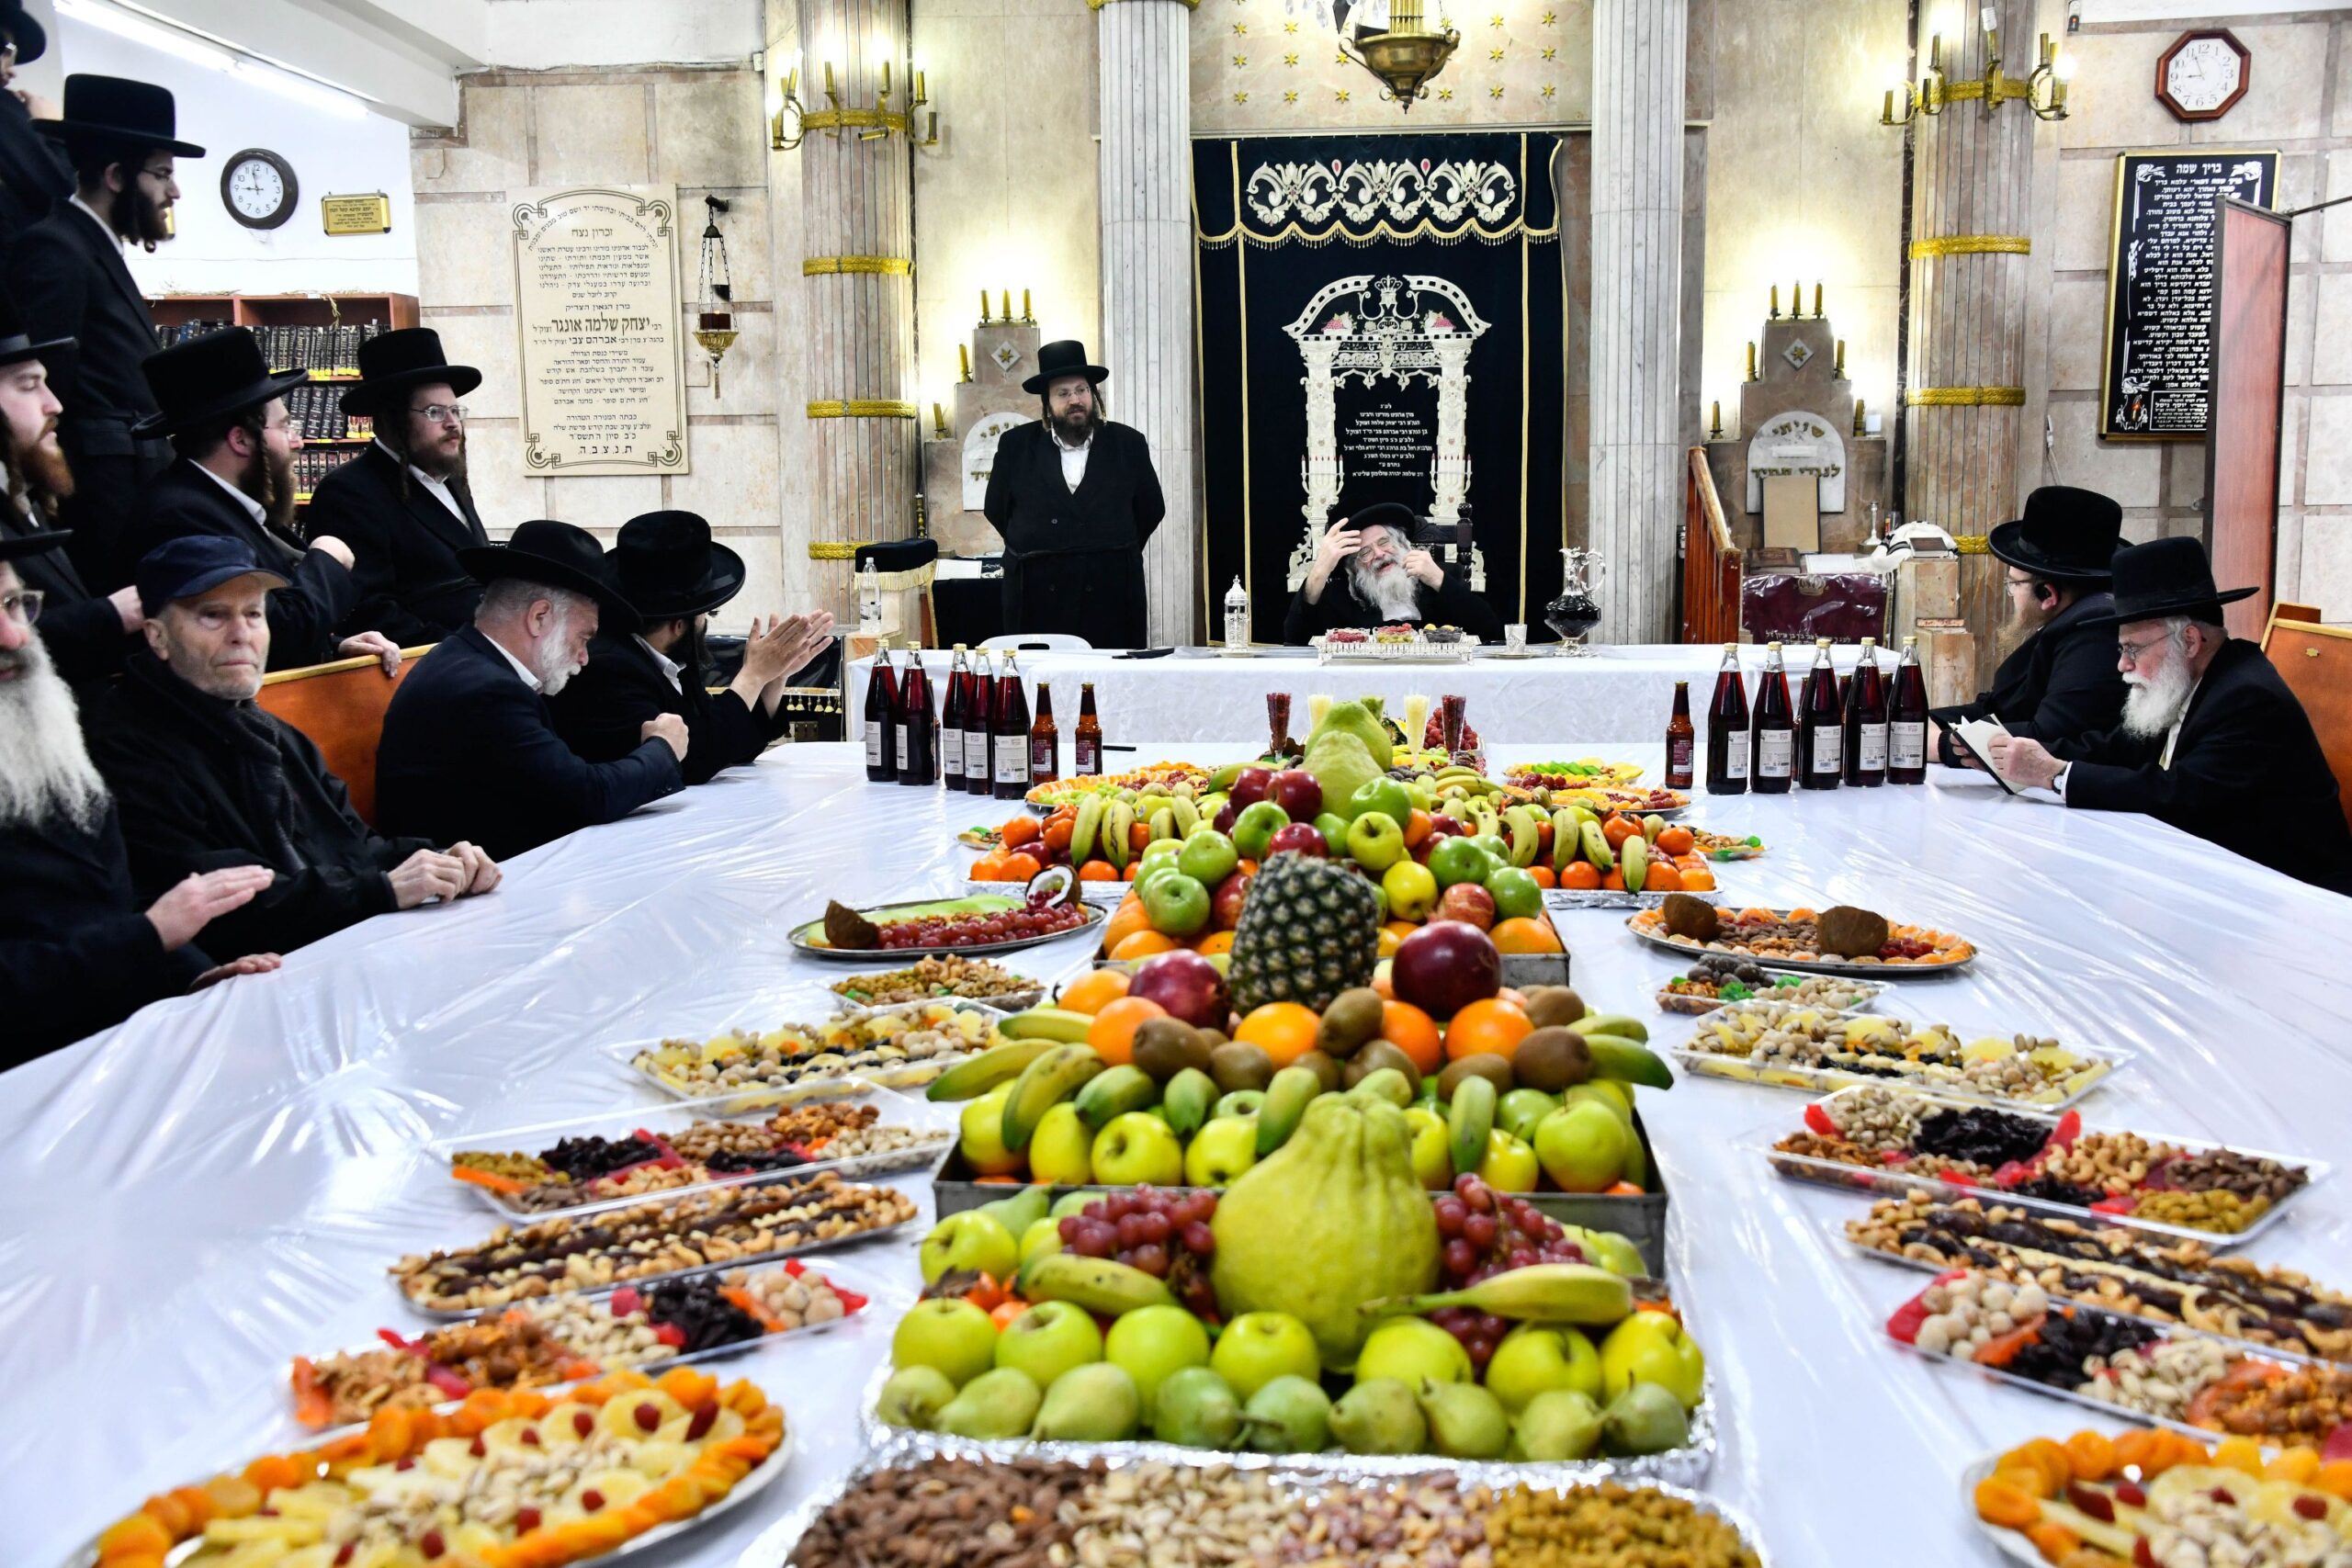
[555, 555]
[2166, 576]
[2066, 536]
[668, 566]
[24, 30]
[1064, 357]
[210, 378]
[393, 362]
[17, 346]
[15, 547]
[117, 112]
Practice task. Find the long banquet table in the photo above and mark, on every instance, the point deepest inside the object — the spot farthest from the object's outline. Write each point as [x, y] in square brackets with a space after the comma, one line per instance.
[219, 1184]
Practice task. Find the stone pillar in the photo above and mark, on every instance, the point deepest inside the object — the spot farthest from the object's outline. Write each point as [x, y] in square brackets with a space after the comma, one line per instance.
[858, 230]
[1635, 454]
[1146, 183]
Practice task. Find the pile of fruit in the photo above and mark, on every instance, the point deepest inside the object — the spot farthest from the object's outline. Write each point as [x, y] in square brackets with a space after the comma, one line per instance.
[1842, 934]
[1579, 774]
[1713, 982]
[978, 922]
[1166, 778]
[1605, 799]
[1626, 854]
[1814, 1047]
[895, 1047]
[2157, 1497]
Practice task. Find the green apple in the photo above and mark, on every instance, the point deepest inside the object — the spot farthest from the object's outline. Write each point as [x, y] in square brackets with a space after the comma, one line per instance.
[1221, 1150]
[1384, 796]
[1254, 827]
[1651, 1347]
[1376, 842]
[1042, 1236]
[1582, 1147]
[1059, 1148]
[1151, 1344]
[1175, 903]
[1208, 857]
[1048, 1340]
[1136, 1148]
[1460, 859]
[1518, 1113]
[1432, 1147]
[1070, 1203]
[1498, 851]
[1615, 1253]
[1412, 889]
[980, 1137]
[1509, 1166]
[1259, 1347]
[970, 1240]
[1533, 1360]
[1612, 1092]
[1161, 851]
[948, 1334]
[1334, 829]
[1411, 1349]
[1515, 893]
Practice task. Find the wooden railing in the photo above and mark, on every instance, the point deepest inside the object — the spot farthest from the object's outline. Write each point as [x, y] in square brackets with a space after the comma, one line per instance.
[1710, 560]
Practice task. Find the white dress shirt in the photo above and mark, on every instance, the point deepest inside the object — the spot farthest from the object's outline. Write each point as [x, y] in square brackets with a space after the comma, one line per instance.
[1073, 457]
[105, 228]
[259, 513]
[521, 669]
[669, 667]
[440, 489]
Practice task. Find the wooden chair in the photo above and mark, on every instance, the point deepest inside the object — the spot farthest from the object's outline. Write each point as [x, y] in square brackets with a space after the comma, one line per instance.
[340, 705]
[2316, 663]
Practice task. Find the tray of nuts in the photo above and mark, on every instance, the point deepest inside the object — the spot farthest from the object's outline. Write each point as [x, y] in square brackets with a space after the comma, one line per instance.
[596, 1162]
[943, 976]
[1123, 1513]
[1885, 1138]
[1717, 982]
[647, 1243]
[1819, 1050]
[900, 1046]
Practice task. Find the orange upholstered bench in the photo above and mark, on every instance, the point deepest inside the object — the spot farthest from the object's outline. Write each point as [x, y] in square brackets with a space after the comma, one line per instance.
[2316, 663]
[340, 706]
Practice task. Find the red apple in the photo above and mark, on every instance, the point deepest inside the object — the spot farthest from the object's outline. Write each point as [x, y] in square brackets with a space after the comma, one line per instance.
[1224, 904]
[1188, 986]
[1303, 838]
[1446, 966]
[1249, 787]
[1298, 792]
[1442, 826]
[1469, 903]
[1223, 822]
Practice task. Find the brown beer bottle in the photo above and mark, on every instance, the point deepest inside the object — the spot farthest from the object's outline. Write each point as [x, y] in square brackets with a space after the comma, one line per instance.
[1727, 729]
[1682, 740]
[1045, 741]
[1087, 743]
[1774, 753]
[1009, 733]
[1906, 721]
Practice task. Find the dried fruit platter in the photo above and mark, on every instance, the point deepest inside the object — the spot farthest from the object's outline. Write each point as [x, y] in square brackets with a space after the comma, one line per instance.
[1818, 1049]
[593, 1162]
[648, 1243]
[2163, 1498]
[1789, 939]
[559, 1339]
[1583, 773]
[1718, 982]
[1162, 776]
[598, 1471]
[896, 1047]
[974, 926]
[948, 979]
[2182, 1283]
[2165, 1376]
[1892, 1139]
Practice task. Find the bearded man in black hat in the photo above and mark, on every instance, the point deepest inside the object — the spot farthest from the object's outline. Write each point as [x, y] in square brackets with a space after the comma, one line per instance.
[1368, 572]
[2060, 683]
[667, 565]
[224, 411]
[69, 277]
[2212, 741]
[403, 505]
[470, 749]
[1076, 498]
[33, 173]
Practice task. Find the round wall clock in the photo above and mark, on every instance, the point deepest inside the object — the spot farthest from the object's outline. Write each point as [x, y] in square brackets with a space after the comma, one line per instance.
[2203, 73]
[258, 188]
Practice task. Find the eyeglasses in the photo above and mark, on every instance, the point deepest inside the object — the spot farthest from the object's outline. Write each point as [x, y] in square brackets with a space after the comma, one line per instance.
[442, 413]
[2130, 651]
[164, 174]
[23, 606]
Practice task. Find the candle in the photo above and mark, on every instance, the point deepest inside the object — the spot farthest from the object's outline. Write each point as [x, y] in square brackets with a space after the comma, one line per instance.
[1858, 416]
[1008, 304]
[1936, 53]
[921, 96]
[1716, 420]
[933, 134]
[829, 78]
[1025, 307]
[1816, 301]
[984, 314]
[1887, 115]
[886, 78]
[1841, 359]
[1796, 302]
[938, 422]
[1776, 316]
[1751, 357]
[964, 351]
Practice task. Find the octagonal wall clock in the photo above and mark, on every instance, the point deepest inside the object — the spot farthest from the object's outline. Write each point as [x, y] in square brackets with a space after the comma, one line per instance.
[2204, 74]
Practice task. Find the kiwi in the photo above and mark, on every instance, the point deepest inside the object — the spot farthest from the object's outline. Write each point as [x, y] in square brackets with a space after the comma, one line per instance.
[1552, 1059]
[1353, 1018]
[1553, 1007]
[1237, 1066]
[1166, 1046]
[1494, 1069]
[1692, 919]
[1213, 1038]
[1375, 1054]
[1326, 1069]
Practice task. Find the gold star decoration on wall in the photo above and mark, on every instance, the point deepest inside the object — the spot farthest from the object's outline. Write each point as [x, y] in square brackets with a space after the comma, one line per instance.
[1496, 20]
[1444, 93]
[1494, 54]
[1494, 92]
[1550, 16]
[1289, 60]
[1290, 27]
[1241, 59]
[1340, 57]
[1551, 53]
[1290, 97]
[1343, 95]
[1240, 27]
[1549, 89]
[1241, 98]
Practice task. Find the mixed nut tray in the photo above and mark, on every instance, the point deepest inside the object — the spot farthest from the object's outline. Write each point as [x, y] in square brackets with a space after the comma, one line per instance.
[1895, 1139]
[900, 1046]
[942, 976]
[1717, 981]
[1818, 1049]
[1838, 940]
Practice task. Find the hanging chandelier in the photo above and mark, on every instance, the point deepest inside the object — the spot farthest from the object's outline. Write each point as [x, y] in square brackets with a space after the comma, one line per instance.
[1406, 55]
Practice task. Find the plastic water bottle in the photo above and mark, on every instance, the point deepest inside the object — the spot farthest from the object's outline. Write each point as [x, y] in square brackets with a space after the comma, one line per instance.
[869, 597]
[1236, 615]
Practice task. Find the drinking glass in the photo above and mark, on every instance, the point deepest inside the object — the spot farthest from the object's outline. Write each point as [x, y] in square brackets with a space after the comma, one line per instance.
[1515, 638]
[1416, 719]
[1277, 721]
[1317, 705]
[1449, 708]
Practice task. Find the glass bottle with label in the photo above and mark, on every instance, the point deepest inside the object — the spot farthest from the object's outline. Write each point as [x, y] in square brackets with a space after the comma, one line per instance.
[882, 719]
[957, 699]
[1866, 721]
[1236, 615]
[980, 741]
[918, 726]
[1009, 733]
[1820, 723]
[1682, 740]
[1045, 741]
[1727, 729]
[1906, 721]
[1774, 734]
[1087, 744]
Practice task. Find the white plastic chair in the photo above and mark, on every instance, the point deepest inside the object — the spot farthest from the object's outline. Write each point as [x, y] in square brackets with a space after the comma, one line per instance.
[1052, 642]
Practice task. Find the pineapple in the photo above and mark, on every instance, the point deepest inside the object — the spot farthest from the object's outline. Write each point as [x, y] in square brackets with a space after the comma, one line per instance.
[1309, 929]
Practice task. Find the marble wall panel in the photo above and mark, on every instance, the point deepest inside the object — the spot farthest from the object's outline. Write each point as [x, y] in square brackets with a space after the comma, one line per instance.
[2331, 337]
[504, 492]
[463, 257]
[2086, 215]
[710, 131]
[745, 226]
[2326, 558]
[490, 149]
[2111, 99]
[2286, 99]
[2077, 332]
[603, 502]
[734, 478]
[746, 375]
[592, 132]
[2327, 467]
[488, 344]
[2129, 471]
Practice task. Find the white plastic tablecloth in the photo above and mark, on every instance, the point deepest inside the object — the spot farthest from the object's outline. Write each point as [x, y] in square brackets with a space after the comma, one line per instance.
[218, 1185]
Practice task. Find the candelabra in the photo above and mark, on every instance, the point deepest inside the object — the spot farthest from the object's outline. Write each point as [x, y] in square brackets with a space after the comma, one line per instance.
[789, 120]
[2044, 90]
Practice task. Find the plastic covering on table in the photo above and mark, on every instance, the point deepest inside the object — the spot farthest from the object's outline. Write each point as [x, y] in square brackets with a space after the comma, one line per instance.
[220, 1184]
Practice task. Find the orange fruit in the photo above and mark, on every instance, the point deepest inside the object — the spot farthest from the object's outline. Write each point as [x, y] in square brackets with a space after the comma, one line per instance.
[1018, 867]
[1133, 867]
[1215, 941]
[1661, 878]
[989, 867]
[1057, 838]
[1417, 827]
[1523, 935]
[1676, 840]
[1581, 875]
[1284, 1030]
[1493, 1026]
[1389, 943]
[1005, 1312]
[1617, 829]
[1022, 830]
[1698, 879]
[1095, 869]
[1382, 984]
[1145, 943]
[1414, 1033]
[1113, 1035]
[1545, 876]
[1124, 921]
[1615, 880]
[1400, 929]
[1094, 990]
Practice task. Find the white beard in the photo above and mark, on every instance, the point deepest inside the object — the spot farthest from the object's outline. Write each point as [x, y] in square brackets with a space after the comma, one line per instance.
[1392, 594]
[2153, 706]
[46, 774]
[555, 668]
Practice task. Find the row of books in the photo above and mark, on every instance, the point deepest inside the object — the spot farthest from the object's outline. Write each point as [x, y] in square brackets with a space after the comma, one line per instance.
[313, 464]
[323, 351]
[316, 413]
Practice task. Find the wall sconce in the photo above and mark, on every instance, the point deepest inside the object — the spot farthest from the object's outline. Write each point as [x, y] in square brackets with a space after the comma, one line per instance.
[792, 121]
[2043, 91]
[715, 289]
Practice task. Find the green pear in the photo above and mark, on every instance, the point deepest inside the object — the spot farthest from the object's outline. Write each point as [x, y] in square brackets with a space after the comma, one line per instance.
[1465, 1421]
[999, 1403]
[914, 1396]
[1557, 1425]
[1289, 1415]
[1094, 1404]
[1197, 1408]
[1379, 1415]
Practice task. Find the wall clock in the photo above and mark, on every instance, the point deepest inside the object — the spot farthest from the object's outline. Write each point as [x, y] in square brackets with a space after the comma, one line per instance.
[258, 188]
[2203, 73]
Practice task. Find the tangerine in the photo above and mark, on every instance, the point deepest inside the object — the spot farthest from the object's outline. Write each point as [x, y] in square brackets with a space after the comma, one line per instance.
[1022, 829]
[1389, 943]
[1617, 829]
[1125, 921]
[1094, 990]
[1057, 838]
[1492, 1026]
[1580, 873]
[1661, 878]
[1284, 1030]
[1095, 870]
[1525, 934]
[1018, 867]
[1615, 880]
[1113, 1035]
[989, 867]
[1676, 840]
[1698, 879]
[1145, 943]
[1417, 827]
[1215, 943]
[1415, 1032]
[1545, 875]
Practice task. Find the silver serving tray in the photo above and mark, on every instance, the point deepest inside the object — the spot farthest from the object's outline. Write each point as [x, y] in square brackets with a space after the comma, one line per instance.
[1828, 1080]
[1808, 965]
[1866, 992]
[1091, 892]
[1610, 898]
[2007, 1542]
[802, 1090]
[895, 956]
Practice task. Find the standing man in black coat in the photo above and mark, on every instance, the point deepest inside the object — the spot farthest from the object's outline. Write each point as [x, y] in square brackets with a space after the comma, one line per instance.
[470, 751]
[403, 505]
[33, 175]
[1076, 498]
[2061, 684]
[667, 565]
[2212, 741]
[69, 277]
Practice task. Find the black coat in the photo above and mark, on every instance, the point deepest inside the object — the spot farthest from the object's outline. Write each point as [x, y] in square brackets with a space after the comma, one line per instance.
[2247, 774]
[1450, 603]
[600, 711]
[77, 952]
[205, 785]
[471, 752]
[303, 614]
[82, 630]
[403, 547]
[1073, 561]
[2061, 684]
[33, 173]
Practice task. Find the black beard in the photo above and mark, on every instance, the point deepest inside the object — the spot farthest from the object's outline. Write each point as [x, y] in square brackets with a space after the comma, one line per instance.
[138, 218]
[271, 483]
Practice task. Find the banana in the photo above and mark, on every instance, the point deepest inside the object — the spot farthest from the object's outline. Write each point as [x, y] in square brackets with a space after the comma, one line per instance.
[1490, 821]
[1188, 816]
[1526, 834]
[1596, 848]
[1470, 1119]
[1118, 829]
[1652, 826]
[1463, 774]
[1616, 1024]
[1627, 1060]
[1114, 1092]
[1221, 781]
[974, 1076]
[1286, 1102]
[1163, 823]
[1542, 1293]
[1098, 1284]
[1060, 1025]
[1188, 1099]
[1637, 861]
[1043, 1084]
[1083, 831]
[1565, 838]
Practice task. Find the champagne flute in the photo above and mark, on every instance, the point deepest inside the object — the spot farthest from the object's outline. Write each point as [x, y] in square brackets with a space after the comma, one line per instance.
[1416, 718]
[1317, 705]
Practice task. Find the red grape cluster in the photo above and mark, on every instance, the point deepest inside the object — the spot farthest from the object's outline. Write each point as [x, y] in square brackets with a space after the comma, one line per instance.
[1166, 1234]
[979, 931]
[1484, 1232]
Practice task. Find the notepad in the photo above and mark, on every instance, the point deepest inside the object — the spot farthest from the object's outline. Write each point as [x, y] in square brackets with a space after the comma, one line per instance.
[1974, 736]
